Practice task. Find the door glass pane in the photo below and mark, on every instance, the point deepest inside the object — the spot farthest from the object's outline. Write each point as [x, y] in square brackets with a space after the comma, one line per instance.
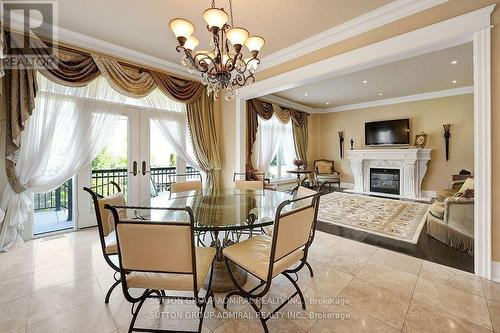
[53, 211]
[111, 164]
[163, 160]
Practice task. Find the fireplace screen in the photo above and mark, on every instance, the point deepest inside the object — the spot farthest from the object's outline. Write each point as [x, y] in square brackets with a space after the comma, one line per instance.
[385, 180]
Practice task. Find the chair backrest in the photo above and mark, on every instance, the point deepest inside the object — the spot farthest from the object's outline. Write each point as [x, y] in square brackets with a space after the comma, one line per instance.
[191, 185]
[303, 191]
[105, 223]
[256, 185]
[324, 166]
[293, 230]
[159, 247]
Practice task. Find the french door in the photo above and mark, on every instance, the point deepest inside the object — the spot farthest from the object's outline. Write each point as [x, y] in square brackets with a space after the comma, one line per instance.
[137, 157]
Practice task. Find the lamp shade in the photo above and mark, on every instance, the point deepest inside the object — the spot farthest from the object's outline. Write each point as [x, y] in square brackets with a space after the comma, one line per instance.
[181, 27]
[237, 36]
[254, 43]
[215, 17]
[191, 43]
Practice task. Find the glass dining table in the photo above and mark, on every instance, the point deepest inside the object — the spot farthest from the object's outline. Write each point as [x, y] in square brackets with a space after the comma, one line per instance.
[222, 216]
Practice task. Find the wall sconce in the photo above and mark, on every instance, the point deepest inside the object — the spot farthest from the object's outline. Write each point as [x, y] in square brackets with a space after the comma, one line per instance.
[447, 136]
[341, 142]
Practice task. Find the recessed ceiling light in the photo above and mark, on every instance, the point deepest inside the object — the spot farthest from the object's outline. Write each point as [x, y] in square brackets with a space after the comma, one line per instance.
[306, 94]
[380, 94]
[454, 62]
[327, 103]
[365, 81]
[454, 81]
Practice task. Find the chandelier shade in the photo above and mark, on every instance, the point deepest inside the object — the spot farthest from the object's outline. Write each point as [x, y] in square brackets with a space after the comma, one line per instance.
[224, 67]
[181, 27]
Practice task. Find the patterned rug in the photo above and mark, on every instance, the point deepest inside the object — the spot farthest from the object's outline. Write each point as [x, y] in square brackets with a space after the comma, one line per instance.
[401, 220]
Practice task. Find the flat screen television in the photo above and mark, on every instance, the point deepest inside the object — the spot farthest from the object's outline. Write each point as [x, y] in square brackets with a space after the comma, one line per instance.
[388, 132]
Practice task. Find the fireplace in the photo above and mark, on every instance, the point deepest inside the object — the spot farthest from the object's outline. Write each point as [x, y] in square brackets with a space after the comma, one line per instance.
[385, 180]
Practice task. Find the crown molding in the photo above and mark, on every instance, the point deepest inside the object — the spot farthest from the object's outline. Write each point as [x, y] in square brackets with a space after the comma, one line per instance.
[288, 103]
[403, 99]
[391, 12]
[92, 44]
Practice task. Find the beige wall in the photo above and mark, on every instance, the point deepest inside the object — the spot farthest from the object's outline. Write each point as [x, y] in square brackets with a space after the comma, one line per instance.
[433, 15]
[227, 139]
[425, 116]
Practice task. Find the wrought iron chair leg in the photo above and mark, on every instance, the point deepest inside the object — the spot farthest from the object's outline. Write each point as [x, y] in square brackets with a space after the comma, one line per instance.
[310, 269]
[302, 300]
[134, 314]
[108, 294]
[259, 314]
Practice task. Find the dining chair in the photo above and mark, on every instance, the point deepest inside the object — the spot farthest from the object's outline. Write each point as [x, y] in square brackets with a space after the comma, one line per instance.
[177, 186]
[160, 256]
[301, 192]
[244, 184]
[106, 227]
[284, 253]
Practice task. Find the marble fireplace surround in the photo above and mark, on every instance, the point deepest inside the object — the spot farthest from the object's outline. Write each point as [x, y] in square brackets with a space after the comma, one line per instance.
[411, 162]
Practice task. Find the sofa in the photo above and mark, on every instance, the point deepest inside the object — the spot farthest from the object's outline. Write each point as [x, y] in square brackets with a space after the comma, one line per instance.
[451, 217]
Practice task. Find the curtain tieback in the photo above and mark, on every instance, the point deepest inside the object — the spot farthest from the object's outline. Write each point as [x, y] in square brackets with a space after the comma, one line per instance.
[10, 168]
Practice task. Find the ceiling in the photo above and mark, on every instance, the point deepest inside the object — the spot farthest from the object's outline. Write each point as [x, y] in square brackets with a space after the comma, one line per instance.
[143, 25]
[422, 74]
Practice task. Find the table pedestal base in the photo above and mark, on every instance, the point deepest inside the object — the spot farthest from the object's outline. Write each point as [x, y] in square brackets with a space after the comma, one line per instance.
[221, 281]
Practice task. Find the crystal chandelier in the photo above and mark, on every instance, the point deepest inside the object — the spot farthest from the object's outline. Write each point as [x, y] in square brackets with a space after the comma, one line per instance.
[223, 67]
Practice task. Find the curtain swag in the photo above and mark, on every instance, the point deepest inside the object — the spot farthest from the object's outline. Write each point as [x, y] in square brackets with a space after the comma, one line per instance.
[257, 108]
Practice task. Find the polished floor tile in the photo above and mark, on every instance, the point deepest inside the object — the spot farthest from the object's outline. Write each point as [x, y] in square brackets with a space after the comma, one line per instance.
[378, 302]
[87, 318]
[424, 318]
[398, 261]
[14, 314]
[346, 319]
[452, 277]
[389, 278]
[454, 301]
[57, 284]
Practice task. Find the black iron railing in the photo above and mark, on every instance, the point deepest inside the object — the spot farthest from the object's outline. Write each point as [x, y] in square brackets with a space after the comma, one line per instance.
[59, 199]
[62, 197]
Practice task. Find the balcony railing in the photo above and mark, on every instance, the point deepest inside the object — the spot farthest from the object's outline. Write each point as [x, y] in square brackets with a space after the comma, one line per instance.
[62, 197]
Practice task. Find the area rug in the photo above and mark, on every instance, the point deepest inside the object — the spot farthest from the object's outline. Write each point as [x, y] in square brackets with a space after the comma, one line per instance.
[396, 219]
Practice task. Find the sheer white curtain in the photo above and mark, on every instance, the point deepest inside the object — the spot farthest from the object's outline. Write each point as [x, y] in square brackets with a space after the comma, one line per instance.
[170, 118]
[68, 129]
[288, 145]
[267, 143]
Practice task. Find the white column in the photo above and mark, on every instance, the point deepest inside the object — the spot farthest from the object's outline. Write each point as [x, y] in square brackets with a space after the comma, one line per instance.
[482, 153]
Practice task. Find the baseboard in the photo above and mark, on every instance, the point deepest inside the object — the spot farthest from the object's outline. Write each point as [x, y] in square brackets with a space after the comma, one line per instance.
[429, 194]
[346, 185]
[495, 271]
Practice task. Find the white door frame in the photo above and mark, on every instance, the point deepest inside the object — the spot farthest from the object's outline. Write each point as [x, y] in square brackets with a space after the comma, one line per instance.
[471, 27]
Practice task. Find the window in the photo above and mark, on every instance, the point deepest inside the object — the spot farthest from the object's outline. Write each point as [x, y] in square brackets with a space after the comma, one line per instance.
[274, 150]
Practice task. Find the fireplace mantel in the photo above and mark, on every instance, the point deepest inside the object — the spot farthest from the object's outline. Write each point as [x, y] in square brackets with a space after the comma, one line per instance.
[412, 163]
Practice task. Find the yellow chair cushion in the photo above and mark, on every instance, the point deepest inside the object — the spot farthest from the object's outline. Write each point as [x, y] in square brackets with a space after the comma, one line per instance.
[437, 210]
[253, 256]
[324, 168]
[181, 282]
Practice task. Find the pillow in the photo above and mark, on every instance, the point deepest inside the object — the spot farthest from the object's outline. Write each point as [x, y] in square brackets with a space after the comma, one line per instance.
[468, 185]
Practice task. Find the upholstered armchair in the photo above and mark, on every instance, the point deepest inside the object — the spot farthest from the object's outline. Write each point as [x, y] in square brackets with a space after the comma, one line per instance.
[451, 220]
[325, 173]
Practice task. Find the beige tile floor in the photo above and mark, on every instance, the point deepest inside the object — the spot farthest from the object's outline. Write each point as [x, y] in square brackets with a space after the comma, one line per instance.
[57, 284]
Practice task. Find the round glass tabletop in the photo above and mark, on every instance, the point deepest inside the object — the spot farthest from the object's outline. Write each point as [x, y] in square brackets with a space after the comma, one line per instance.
[217, 209]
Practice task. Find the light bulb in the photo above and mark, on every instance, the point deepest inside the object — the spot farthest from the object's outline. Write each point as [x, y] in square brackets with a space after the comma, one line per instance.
[254, 43]
[215, 17]
[191, 43]
[237, 36]
[181, 27]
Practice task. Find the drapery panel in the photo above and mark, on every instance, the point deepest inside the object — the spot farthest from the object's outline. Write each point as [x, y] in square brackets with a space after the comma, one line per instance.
[260, 109]
[201, 123]
[67, 130]
[81, 71]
